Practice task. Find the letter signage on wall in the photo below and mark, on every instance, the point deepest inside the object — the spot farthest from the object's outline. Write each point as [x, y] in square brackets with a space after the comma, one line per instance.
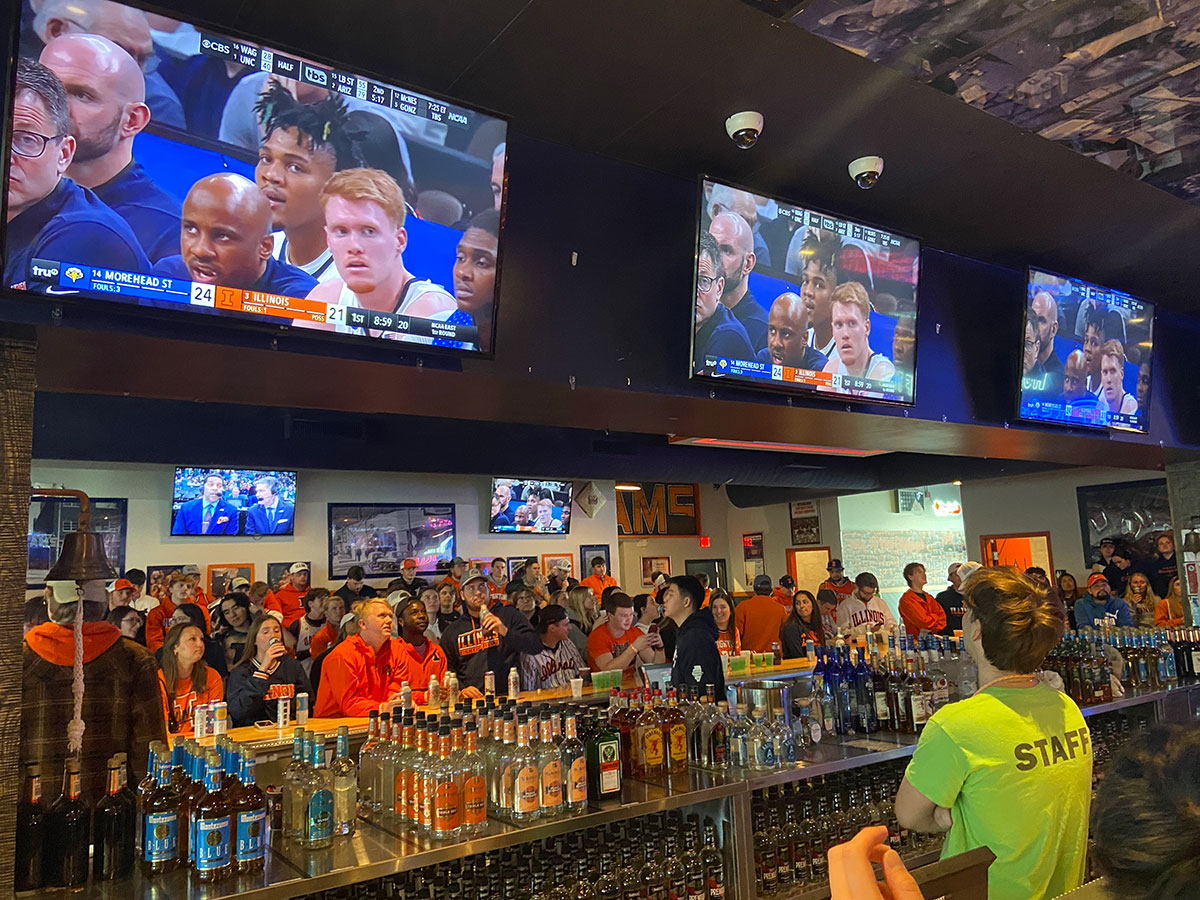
[659, 510]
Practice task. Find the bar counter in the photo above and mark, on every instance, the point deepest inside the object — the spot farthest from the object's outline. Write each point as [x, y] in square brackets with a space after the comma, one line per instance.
[375, 851]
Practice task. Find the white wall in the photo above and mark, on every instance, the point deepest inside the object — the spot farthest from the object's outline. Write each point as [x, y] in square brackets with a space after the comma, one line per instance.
[1042, 502]
[725, 524]
[148, 542]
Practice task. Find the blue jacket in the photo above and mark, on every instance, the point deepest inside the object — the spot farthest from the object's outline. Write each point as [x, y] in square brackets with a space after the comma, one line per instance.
[256, 519]
[190, 518]
[753, 318]
[151, 212]
[278, 277]
[1115, 611]
[69, 225]
[722, 336]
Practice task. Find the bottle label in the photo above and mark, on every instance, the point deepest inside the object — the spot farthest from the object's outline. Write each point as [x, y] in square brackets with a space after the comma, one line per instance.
[716, 887]
[212, 843]
[577, 786]
[718, 749]
[766, 753]
[474, 800]
[609, 754]
[400, 793]
[552, 785]
[412, 796]
[445, 807]
[318, 823]
[250, 828]
[920, 710]
[881, 707]
[527, 798]
[678, 742]
[652, 748]
[161, 841]
[428, 789]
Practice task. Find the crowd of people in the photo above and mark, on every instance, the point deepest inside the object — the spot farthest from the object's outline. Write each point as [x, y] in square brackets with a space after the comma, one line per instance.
[328, 212]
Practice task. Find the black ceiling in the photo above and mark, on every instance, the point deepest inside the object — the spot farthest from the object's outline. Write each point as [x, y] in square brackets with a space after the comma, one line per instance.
[652, 81]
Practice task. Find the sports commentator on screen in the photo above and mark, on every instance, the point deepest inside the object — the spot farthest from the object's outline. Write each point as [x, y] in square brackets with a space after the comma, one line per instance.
[106, 97]
[209, 513]
[49, 216]
[271, 514]
[787, 335]
[225, 239]
[364, 227]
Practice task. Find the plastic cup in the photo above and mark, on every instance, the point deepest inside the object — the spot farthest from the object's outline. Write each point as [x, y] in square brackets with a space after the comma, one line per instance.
[577, 687]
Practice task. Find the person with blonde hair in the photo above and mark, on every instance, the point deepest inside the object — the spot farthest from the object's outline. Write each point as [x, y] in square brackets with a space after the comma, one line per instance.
[1112, 380]
[851, 317]
[1010, 767]
[1141, 600]
[365, 232]
[1169, 612]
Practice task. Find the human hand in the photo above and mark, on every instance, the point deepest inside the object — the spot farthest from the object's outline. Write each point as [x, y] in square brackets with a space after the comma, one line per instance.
[852, 878]
[654, 640]
[492, 622]
[470, 692]
[642, 641]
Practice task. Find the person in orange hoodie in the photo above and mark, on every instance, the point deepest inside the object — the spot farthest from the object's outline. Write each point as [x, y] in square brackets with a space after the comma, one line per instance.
[785, 592]
[291, 595]
[122, 706]
[425, 657]
[366, 669]
[335, 609]
[599, 579]
[181, 588]
[919, 610]
[759, 618]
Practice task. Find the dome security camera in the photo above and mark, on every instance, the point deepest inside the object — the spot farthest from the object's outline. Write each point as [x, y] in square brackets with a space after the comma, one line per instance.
[744, 128]
[866, 171]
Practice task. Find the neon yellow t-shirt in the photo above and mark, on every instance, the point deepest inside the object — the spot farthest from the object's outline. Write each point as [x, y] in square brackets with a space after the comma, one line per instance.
[1014, 766]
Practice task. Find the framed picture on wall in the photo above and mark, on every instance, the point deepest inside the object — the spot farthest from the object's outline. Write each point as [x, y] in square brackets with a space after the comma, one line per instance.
[221, 575]
[277, 570]
[1130, 512]
[51, 519]
[652, 565]
[157, 578]
[515, 564]
[550, 560]
[588, 552]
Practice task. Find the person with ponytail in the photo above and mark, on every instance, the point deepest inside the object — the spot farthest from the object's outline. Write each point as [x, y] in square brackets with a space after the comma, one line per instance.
[1010, 767]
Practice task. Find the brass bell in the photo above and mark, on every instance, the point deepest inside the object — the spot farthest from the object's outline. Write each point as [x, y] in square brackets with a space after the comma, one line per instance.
[82, 559]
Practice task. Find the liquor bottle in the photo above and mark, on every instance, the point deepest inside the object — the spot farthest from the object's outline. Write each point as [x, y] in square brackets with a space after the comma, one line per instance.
[113, 829]
[500, 787]
[473, 771]
[849, 699]
[674, 873]
[300, 787]
[414, 772]
[366, 765]
[923, 687]
[161, 820]
[824, 837]
[214, 858]
[786, 747]
[317, 801]
[823, 695]
[31, 831]
[675, 742]
[573, 755]
[879, 679]
[66, 851]
[713, 862]
[526, 778]
[695, 712]
[653, 876]
[760, 744]
[650, 761]
[146, 786]
[737, 731]
[693, 862]
[864, 688]
[608, 885]
[291, 817]
[345, 785]
[390, 747]
[604, 762]
[766, 875]
[778, 836]
[442, 781]
[248, 808]
[428, 749]
[550, 769]
[717, 731]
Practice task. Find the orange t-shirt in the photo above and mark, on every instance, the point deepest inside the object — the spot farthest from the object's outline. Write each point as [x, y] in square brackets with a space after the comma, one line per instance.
[157, 617]
[187, 699]
[758, 620]
[322, 640]
[601, 641]
[729, 643]
[1163, 617]
[291, 604]
[596, 584]
[843, 590]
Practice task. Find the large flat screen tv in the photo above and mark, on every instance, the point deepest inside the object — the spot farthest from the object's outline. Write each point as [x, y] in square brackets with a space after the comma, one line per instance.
[223, 501]
[163, 164]
[790, 298]
[1087, 354]
[530, 506]
[380, 536]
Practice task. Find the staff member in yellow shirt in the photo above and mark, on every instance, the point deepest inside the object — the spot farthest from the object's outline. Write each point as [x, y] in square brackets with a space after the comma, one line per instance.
[1009, 768]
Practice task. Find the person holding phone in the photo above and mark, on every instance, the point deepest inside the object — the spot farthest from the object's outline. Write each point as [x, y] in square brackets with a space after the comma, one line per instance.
[265, 674]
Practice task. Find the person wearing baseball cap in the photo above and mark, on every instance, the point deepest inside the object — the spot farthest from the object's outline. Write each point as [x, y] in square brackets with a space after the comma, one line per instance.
[464, 640]
[1099, 606]
[123, 593]
[239, 584]
[408, 577]
[784, 593]
[458, 566]
[291, 594]
[951, 599]
[837, 581]
[559, 659]
[759, 618]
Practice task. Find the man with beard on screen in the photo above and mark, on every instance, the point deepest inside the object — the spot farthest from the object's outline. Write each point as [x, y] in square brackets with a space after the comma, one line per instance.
[787, 335]
[718, 333]
[736, 241]
[364, 227]
[225, 239]
[851, 316]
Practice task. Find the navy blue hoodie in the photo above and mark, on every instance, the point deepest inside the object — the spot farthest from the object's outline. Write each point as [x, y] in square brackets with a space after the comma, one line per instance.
[696, 646]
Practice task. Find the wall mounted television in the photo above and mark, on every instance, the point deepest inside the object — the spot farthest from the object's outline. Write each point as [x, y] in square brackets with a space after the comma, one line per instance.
[162, 164]
[212, 500]
[1087, 354]
[794, 299]
[530, 506]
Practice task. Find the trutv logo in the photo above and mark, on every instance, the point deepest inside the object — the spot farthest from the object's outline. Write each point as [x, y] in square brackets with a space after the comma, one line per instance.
[44, 270]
